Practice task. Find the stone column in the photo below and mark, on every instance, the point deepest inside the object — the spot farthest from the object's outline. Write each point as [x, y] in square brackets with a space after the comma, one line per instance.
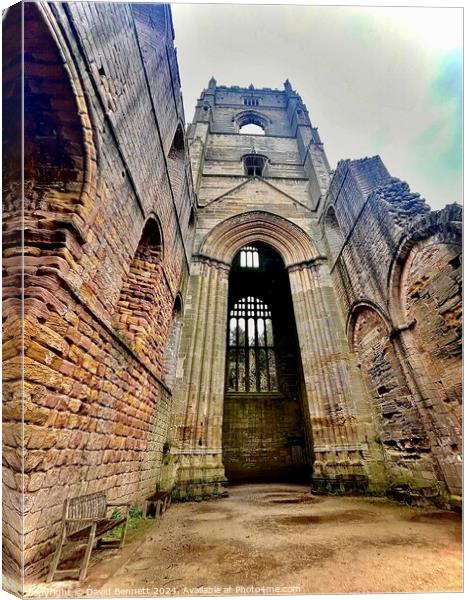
[200, 380]
[346, 455]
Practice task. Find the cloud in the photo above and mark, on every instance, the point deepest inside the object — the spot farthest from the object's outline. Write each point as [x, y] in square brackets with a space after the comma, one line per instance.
[438, 146]
[381, 80]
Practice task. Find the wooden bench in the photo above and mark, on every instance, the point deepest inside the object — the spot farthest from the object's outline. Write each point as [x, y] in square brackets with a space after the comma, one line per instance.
[158, 503]
[85, 521]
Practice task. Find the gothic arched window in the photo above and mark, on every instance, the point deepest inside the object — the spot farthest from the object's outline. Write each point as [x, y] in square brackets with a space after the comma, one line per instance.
[251, 354]
[251, 128]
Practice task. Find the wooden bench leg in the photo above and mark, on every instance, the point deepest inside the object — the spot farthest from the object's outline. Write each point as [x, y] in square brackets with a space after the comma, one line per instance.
[124, 531]
[56, 559]
[89, 548]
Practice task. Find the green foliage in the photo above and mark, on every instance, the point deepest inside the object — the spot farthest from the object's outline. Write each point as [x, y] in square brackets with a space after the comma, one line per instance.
[136, 523]
[135, 513]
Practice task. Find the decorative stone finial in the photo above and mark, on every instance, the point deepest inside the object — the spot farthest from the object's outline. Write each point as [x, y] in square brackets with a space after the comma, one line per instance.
[212, 83]
[287, 86]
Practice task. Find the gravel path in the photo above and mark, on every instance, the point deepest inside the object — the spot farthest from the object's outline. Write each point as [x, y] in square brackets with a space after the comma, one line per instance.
[276, 538]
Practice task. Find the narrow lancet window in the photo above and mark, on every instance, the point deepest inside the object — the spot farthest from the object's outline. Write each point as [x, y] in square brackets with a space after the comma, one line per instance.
[249, 257]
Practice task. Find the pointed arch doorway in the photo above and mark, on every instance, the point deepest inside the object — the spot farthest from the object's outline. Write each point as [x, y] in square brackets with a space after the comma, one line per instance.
[264, 435]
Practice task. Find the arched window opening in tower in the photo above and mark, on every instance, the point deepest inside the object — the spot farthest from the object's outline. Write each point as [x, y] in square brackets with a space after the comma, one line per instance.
[250, 129]
[251, 353]
[254, 165]
[249, 257]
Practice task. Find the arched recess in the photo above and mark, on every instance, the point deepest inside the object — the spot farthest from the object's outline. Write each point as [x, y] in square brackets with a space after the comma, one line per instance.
[59, 152]
[290, 241]
[401, 433]
[331, 386]
[176, 164]
[191, 221]
[190, 228]
[173, 340]
[145, 303]
[426, 306]
[264, 430]
[251, 117]
[334, 236]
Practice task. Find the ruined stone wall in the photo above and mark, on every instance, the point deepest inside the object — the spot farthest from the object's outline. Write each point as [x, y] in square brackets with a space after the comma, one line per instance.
[431, 294]
[263, 437]
[401, 431]
[397, 271]
[12, 480]
[98, 292]
[431, 303]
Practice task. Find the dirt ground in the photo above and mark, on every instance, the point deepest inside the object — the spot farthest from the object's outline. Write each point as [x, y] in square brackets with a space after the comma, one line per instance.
[271, 539]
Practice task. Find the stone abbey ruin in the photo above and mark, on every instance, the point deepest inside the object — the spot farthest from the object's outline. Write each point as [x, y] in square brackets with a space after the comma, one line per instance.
[200, 305]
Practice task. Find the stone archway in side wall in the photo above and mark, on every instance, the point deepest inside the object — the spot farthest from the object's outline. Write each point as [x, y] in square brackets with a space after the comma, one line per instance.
[60, 158]
[426, 308]
[401, 432]
[332, 383]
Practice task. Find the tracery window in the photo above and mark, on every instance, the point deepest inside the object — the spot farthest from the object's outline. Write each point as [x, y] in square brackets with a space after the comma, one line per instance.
[249, 257]
[251, 353]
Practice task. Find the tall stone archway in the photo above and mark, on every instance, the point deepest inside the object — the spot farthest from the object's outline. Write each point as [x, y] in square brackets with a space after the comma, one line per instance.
[264, 434]
[332, 383]
[425, 304]
[400, 431]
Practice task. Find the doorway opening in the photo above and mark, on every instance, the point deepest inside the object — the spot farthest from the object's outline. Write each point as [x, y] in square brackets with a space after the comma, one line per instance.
[264, 433]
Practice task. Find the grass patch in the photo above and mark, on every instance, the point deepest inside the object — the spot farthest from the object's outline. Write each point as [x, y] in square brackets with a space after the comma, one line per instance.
[137, 524]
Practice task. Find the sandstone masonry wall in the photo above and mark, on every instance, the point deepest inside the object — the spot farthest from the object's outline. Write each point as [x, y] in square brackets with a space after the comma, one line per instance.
[397, 271]
[102, 81]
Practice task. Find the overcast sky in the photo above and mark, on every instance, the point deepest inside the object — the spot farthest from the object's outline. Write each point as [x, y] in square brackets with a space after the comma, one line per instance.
[377, 80]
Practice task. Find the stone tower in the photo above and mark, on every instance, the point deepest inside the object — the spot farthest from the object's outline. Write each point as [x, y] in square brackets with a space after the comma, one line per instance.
[293, 360]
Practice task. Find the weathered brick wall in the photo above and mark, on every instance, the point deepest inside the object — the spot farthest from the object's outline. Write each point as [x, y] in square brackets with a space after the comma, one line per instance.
[145, 302]
[95, 418]
[96, 407]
